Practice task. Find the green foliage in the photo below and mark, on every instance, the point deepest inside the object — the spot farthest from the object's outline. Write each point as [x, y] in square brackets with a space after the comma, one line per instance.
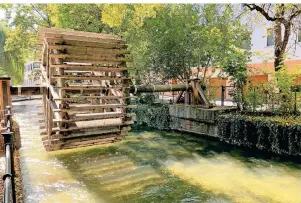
[82, 17]
[275, 96]
[270, 133]
[166, 40]
[11, 54]
[254, 97]
[153, 115]
[170, 39]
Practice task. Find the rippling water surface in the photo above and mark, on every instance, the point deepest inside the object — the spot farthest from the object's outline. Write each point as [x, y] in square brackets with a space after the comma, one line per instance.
[151, 166]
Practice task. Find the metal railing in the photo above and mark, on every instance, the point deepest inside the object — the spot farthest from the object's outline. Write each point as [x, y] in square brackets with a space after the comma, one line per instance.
[8, 177]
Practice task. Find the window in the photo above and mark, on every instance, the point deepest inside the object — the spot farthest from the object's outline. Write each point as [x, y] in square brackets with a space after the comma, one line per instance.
[299, 35]
[270, 37]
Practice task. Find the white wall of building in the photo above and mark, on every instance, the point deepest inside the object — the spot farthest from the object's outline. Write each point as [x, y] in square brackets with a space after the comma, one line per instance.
[259, 44]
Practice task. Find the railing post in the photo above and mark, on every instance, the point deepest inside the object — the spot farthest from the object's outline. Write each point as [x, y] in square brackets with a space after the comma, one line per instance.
[295, 104]
[223, 95]
[8, 177]
[9, 183]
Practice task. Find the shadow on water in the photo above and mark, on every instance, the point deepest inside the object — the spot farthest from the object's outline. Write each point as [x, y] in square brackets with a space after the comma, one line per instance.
[158, 166]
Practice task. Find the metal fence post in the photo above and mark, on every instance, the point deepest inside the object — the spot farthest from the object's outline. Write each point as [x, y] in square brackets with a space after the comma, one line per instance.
[9, 183]
[295, 104]
[9, 189]
[223, 95]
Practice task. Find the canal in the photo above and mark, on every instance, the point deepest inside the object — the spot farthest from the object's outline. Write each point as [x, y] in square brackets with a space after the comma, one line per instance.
[151, 166]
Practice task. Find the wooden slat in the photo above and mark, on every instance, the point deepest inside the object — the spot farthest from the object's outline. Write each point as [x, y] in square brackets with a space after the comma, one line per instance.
[88, 50]
[77, 135]
[90, 58]
[88, 133]
[91, 68]
[89, 87]
[96, 125]
[43, 30]
[89, 97]
[99, 43]
[74, 144]
[70, 36]
[79, 77]
[90, 117]
[90, 107]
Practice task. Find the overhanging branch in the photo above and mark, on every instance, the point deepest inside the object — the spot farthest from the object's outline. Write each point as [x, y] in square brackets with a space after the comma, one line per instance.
[255, 7]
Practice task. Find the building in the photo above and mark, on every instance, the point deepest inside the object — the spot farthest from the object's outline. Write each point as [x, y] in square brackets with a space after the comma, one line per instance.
[261, 66]
[31, 79]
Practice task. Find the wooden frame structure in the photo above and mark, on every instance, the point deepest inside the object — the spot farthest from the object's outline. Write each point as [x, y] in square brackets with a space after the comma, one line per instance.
[87, 88]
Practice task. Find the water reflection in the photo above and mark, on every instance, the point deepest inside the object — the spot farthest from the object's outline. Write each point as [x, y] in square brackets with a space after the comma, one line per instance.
[153, 166]
[223, 174]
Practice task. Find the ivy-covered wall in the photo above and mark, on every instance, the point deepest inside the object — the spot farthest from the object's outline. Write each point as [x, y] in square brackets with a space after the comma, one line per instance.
[261, 133]
[265, 133]
[153, 115]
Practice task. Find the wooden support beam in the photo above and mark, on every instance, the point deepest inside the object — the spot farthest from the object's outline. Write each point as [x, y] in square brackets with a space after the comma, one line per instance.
[95, 125]
[88, 97]
[91, 68]
[94, 116]
[79, 77]
[105, 59]
[106, 45]
[89, 51]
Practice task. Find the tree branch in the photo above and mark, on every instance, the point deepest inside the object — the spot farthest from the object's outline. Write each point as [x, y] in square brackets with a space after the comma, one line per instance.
[294, 15]
[46, 20]
[253, 7]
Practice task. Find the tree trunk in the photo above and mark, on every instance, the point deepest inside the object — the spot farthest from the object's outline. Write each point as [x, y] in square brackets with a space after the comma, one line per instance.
[278, 53]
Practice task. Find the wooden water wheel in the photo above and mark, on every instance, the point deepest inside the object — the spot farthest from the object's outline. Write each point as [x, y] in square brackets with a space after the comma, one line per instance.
[87, 88]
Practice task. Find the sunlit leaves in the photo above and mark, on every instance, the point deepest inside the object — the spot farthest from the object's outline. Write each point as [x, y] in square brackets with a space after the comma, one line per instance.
[113, 14]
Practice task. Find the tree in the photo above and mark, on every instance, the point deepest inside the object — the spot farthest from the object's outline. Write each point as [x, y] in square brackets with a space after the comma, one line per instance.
[171, 39]
[11, 60]
[284, 15]
[24, 24]
[82, 17]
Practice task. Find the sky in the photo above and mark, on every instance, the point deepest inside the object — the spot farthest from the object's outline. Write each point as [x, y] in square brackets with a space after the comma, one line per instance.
[2, 14]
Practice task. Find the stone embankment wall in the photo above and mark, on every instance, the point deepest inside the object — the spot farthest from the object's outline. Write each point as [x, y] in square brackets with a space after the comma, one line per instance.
[194, 120]
[234, 129]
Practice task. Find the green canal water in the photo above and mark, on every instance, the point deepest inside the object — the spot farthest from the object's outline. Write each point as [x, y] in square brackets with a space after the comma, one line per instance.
[151, 166]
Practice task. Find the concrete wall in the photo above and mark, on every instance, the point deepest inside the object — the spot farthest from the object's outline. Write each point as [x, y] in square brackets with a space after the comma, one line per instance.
[194, 120]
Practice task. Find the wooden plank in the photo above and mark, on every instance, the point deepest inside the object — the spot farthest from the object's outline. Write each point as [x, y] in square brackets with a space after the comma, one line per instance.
[75, 144]
[98, 43]
[88, 50]
[69, 57]
[91, 62]
[88, 97]
[91, 68]
[91, 107]
[96, 125]
[88, 87]
[96, 108]
[90, 116]
[43, 30]
[70, 36]
[78, 135]
[79, 77]
[202, 94]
